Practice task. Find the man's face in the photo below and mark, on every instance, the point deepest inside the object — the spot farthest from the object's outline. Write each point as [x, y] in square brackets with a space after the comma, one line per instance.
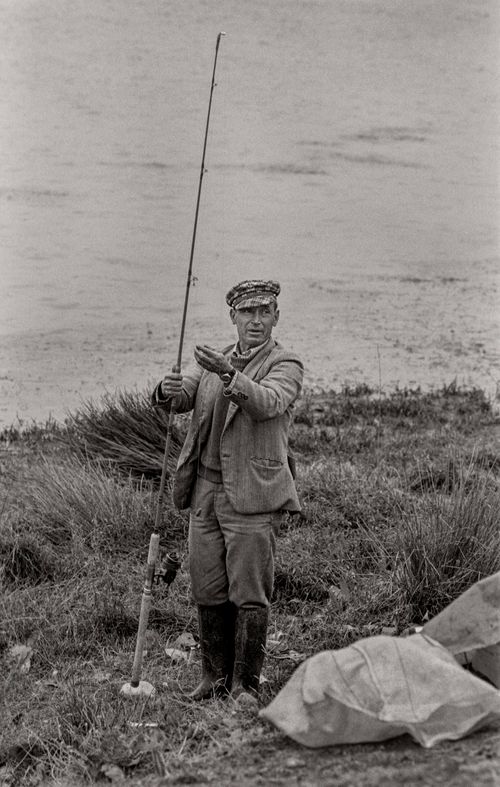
[254, 326]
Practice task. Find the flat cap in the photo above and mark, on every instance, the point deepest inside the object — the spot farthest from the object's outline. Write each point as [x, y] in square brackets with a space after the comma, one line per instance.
[251, 293]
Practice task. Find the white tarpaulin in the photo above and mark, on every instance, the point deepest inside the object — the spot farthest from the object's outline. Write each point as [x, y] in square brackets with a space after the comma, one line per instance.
[469, 627]
[379, 688]
[471, 621]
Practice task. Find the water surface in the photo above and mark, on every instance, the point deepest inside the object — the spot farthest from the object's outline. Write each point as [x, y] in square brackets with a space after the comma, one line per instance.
[353, 155]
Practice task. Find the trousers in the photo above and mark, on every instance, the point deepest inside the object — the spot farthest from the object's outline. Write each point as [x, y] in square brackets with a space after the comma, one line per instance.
[231, 555]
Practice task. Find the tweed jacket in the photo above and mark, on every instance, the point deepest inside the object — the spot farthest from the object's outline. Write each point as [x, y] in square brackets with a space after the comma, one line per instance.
[254, 457]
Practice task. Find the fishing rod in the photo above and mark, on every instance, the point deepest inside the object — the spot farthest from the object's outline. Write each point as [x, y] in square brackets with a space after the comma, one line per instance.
[138, 687]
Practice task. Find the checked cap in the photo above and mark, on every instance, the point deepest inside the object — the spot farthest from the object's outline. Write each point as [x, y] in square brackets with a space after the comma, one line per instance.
[251, 293]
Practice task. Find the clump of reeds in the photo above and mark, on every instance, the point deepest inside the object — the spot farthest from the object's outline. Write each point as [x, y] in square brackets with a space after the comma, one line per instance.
[24, 558]
[126, 430]
[75, 509]
[80, 503]
[449, 538]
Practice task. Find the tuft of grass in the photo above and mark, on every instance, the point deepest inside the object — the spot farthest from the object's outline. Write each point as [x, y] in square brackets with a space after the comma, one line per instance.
[126, 430]
[80, 503]
[23, 559]
[449, 541]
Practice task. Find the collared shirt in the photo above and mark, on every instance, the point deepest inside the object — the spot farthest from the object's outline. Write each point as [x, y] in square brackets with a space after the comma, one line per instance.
[247, 354]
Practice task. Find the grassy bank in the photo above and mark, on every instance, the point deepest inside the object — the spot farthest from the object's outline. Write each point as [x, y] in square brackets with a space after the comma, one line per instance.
[400, 498]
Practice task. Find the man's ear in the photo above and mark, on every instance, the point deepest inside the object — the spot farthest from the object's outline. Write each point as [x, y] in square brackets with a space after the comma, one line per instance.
[276, 317]
[232, 314]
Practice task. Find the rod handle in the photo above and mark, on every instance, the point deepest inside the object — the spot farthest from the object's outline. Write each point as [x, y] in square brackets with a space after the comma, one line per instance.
[145, 607]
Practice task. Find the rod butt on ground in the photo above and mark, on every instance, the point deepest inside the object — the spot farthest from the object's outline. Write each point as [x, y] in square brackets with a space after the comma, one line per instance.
[143, 689]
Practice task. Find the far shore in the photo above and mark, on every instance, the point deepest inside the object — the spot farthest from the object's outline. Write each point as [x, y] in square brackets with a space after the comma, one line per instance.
[406, 334]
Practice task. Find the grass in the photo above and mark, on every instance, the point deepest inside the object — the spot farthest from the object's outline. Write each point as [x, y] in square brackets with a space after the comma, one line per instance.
[125, 430]
[450, 540]
[399, 493]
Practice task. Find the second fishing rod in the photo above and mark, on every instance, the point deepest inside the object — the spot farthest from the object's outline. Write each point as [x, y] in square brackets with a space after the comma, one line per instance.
[138, 687]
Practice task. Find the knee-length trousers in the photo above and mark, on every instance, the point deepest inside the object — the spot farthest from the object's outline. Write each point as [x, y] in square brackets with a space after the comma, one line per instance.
[231, 555]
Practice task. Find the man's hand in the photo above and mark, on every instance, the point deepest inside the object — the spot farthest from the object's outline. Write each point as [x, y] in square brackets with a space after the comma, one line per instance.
[212, 360]
[171, 385]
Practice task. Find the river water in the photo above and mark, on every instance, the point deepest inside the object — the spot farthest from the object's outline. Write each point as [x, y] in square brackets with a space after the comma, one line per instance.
[353, 154]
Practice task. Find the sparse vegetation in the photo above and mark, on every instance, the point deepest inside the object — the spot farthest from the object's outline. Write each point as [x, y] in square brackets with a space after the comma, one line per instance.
[400, 496]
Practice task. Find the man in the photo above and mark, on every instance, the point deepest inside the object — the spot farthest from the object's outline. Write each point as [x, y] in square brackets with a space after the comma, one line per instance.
[234, 474]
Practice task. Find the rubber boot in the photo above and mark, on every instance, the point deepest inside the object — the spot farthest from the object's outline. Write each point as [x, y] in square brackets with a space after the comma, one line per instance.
[249, 650]
[216, 628]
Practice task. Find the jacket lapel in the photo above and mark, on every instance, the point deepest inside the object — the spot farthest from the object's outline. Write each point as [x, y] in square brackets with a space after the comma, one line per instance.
[251, 370]
[207, 391]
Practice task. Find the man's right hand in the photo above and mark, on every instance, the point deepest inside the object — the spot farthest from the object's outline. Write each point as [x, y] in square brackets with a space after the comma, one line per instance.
[171, 385]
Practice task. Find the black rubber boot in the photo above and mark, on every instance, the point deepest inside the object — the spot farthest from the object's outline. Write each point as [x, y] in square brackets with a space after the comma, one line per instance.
[250, 643]
[216, 628]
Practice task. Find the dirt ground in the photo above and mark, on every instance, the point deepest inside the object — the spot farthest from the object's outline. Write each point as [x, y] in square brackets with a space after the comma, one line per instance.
[269, 758]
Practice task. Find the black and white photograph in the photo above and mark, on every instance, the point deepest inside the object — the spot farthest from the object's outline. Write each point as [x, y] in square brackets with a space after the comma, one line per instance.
[250, 393]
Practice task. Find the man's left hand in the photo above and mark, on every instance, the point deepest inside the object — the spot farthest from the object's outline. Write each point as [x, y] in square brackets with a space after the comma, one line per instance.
[211, 360]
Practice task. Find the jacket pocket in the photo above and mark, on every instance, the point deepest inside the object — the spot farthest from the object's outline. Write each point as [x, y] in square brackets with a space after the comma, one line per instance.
[265, 472]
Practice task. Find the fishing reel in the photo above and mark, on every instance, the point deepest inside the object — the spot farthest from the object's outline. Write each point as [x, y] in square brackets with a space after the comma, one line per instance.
[168, 568]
